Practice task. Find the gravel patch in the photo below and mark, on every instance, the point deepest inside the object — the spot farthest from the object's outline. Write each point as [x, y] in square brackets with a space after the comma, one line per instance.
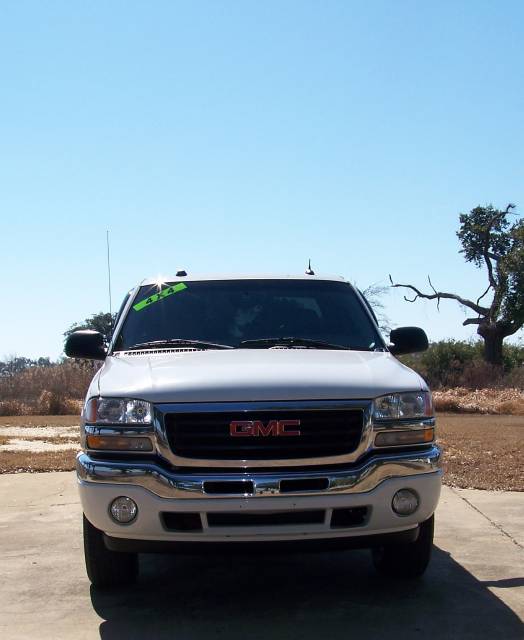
[38, 439]
[37, 446]
[34, 432]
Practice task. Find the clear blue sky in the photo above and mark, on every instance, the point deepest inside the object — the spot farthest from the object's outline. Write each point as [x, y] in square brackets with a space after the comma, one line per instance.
[249, 136]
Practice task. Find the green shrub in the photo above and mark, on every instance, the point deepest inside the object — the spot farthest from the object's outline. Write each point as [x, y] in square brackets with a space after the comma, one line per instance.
[456, 363]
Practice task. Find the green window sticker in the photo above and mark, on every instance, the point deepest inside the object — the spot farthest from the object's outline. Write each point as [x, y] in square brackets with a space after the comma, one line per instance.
[168, 291]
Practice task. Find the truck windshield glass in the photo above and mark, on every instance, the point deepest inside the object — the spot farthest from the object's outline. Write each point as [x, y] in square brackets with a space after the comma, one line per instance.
[228, 312]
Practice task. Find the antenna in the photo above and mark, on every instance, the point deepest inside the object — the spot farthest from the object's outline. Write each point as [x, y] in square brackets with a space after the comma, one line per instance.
[309, 270]
[109, 280]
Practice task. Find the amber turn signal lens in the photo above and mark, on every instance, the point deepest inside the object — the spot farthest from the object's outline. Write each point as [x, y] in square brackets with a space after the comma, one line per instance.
[119, 443]
[429, 435]
[392, 438]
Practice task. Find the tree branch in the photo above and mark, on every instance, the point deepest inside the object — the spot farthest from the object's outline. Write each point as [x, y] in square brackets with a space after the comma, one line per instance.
[485, 293]
[437, 295]
[485, 251]
[488, 257]
[472, 321]
[435, 292]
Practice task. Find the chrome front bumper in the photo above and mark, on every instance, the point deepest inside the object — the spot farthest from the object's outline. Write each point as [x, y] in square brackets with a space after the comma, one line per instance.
[165, 484]
[156, 491]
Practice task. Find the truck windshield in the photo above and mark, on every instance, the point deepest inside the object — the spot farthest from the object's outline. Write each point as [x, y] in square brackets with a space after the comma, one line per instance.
[230, 312]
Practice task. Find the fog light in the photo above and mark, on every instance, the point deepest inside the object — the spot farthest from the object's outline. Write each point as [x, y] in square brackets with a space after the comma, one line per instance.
[405, 502]
[123, 510]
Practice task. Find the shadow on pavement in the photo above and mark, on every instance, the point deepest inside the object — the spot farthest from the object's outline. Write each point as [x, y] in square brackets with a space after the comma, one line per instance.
[509, 583]
[315, 596]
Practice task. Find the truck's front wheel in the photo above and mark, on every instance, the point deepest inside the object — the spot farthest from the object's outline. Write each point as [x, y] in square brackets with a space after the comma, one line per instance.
[406, 560]
[107, 568]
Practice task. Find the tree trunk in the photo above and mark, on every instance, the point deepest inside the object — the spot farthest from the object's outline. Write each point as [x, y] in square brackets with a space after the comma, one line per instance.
[493, 339]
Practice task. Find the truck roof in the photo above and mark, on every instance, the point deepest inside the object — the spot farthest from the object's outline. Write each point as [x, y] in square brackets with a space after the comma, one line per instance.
[239, 276]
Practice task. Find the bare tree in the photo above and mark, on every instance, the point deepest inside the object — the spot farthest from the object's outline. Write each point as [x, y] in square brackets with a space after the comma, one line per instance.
[489, 240]
[374, 294]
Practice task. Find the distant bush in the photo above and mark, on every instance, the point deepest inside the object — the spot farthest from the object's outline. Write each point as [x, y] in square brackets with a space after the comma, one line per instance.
[56, 389]
[455, 363]
[14, 408]
[45, 388]
[497, 401]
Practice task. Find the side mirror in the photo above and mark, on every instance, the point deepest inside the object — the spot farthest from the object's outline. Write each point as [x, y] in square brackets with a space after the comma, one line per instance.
[408, 340]
[86, 344]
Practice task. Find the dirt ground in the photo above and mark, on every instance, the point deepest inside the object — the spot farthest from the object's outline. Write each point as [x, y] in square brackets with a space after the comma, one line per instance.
[51, 443]
[39, 421]
[480, 451]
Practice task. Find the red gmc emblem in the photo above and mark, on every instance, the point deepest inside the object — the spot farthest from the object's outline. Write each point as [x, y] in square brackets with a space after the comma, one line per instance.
[239, 428]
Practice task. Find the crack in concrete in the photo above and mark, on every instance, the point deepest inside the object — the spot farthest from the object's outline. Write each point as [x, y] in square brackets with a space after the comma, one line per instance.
[492, 522]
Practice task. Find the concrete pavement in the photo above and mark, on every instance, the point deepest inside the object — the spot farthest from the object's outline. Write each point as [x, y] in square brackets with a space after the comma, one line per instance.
[474, 587]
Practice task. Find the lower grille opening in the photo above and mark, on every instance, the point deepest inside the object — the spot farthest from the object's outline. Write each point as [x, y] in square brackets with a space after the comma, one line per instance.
[309, 484]
[182, 521]
[265, 519]
[345, 518]
[229, 487]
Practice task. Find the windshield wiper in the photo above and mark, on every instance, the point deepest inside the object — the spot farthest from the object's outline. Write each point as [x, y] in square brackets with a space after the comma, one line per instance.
[179, 342]
[261, 343]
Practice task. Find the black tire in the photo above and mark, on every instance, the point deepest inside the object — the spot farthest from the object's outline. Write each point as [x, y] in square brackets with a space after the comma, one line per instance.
[107, 568]
[408, 560]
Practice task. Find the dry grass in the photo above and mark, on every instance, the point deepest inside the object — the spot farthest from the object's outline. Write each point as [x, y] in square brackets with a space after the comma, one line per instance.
[492, 401]
[47, 403]
[63, 439]
[18, 462]
[53, 390]
[40, 421]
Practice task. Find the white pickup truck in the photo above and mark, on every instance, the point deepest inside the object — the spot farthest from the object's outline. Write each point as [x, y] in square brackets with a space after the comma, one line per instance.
[254, 412]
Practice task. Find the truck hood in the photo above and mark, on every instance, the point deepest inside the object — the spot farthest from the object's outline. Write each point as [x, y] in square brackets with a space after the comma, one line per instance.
[242, 375]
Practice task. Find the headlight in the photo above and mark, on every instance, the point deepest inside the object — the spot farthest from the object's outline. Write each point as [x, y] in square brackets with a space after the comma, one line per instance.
[403, 406]
[117, 411]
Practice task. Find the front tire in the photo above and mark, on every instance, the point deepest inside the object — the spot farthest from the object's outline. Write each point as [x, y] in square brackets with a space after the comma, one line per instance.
[107, 568]
[408, 560]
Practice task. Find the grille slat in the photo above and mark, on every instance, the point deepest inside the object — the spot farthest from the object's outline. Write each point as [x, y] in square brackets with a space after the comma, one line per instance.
[323, 433]
[213, 435]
